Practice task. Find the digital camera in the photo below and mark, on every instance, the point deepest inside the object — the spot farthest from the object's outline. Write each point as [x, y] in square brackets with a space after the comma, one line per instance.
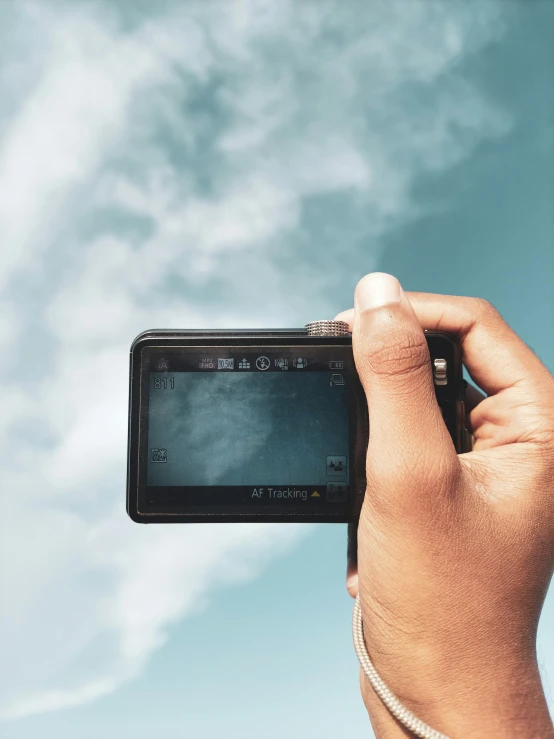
[259, 424]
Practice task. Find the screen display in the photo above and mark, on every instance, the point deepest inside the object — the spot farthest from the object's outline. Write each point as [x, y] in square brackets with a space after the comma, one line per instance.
[267, 427]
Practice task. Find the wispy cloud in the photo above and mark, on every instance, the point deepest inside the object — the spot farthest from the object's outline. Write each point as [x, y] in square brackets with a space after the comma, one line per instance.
[204, 164]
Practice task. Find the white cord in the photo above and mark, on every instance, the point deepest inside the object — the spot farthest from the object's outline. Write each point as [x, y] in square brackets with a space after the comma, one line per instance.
[405, 716]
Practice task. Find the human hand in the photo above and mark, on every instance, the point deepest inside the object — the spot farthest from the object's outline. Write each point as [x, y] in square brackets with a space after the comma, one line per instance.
[455, 551]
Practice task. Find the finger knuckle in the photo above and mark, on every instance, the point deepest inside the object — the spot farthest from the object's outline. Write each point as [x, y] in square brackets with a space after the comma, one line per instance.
[483, 308]
[397, 357]
[543, 437]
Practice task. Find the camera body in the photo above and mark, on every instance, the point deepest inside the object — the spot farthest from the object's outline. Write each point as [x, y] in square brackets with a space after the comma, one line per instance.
[259, 425]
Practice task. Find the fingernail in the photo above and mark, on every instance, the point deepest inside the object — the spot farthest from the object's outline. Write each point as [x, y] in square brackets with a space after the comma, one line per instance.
[375, 290]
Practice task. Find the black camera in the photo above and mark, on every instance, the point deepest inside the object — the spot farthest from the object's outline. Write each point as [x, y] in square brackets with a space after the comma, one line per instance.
[259, 425]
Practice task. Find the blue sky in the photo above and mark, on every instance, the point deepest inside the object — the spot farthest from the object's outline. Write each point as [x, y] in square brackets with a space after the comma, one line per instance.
[209, 164]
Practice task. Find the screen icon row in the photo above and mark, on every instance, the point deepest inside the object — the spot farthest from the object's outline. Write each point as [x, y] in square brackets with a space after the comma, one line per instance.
[262, 363]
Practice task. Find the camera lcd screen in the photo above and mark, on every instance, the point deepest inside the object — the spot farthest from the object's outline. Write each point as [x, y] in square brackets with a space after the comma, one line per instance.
[256, 430]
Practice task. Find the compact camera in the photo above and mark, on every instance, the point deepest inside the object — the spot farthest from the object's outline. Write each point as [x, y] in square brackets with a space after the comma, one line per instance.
[259, 424]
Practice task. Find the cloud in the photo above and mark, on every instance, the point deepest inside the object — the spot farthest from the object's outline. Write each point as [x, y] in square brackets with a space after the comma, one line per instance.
[198, 164]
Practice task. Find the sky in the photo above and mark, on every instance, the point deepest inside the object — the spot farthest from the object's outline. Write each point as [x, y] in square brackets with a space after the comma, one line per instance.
[229, 164]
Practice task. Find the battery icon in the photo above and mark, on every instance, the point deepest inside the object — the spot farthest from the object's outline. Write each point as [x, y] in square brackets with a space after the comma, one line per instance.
[336, 364]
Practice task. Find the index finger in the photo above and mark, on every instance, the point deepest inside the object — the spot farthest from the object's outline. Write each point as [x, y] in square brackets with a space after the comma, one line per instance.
[494, 355]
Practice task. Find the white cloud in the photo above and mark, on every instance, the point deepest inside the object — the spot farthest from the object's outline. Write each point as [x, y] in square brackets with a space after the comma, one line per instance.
[151, 576]
[182, 151]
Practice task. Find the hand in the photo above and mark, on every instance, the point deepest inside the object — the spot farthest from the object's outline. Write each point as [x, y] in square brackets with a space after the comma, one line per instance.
[455, 551]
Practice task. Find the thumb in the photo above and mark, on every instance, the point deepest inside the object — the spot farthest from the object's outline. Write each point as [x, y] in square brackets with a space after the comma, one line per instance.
[408, 438]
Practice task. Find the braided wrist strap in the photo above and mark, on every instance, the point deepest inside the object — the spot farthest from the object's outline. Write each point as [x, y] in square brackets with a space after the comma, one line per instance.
[405, 716]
